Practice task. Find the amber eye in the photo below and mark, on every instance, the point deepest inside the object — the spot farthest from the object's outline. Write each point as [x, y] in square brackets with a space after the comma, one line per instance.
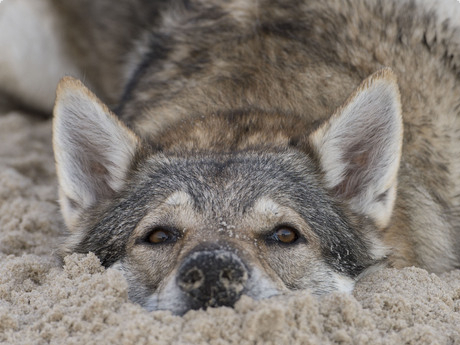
[286, 235]
[160, 235]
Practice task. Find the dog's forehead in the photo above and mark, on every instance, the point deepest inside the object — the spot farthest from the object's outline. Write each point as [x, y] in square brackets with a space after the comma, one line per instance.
[230, 181]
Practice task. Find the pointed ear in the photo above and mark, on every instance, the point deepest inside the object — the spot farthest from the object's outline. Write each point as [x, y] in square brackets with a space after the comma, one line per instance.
[359, 147]
[92, 148]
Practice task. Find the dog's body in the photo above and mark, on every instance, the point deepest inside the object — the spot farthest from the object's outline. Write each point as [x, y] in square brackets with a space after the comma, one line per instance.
[243, 165]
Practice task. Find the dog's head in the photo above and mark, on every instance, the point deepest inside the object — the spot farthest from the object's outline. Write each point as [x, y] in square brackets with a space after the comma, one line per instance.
[217, 213]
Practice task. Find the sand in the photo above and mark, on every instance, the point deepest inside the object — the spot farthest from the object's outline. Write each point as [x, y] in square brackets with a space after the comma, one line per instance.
[42, 302]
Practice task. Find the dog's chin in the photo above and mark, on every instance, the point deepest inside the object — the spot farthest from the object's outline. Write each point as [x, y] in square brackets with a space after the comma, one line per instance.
[177, 307]
[173, 299]
[170, 298]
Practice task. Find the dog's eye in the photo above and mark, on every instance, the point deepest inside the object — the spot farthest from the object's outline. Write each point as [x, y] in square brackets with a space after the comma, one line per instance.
[285, 235]
[160, 235]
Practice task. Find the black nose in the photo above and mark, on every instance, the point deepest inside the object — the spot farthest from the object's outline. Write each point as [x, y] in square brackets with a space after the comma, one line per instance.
[212, 278]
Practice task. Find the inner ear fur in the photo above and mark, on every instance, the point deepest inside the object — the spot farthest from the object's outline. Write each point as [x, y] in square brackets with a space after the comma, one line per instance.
[93, 149]
[359, 147]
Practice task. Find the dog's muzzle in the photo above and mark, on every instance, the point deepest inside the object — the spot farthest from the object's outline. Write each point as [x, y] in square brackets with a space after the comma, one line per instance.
[212, 278]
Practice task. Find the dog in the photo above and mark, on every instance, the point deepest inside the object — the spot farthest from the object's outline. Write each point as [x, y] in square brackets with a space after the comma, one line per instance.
[251, 147]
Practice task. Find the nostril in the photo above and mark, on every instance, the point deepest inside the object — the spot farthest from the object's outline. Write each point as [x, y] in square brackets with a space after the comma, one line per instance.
[233, 279]
[192, 279]
[226, 275]
[192, 276]
[231, 276]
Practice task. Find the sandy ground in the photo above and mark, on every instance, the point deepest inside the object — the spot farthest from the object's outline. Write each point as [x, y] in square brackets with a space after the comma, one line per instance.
[42, 302]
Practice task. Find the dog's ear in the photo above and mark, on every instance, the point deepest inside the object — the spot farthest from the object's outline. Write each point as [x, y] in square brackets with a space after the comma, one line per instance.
[92, 148]
[359, 147]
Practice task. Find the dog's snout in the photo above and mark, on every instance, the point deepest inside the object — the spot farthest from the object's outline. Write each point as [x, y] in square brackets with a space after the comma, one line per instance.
[212, 278]
[192, 279]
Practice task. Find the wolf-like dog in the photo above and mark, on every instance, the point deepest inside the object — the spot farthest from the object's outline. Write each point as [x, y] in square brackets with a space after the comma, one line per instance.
[250, 147]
